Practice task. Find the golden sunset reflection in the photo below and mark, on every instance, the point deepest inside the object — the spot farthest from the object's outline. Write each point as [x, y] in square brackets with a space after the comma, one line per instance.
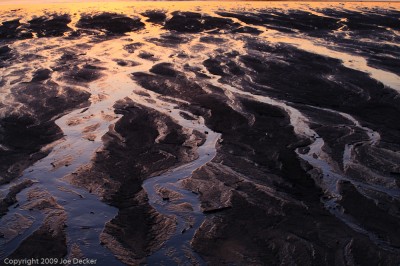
[155, 132]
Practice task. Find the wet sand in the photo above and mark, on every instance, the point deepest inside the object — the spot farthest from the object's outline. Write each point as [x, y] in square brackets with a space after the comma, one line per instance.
[186, 133]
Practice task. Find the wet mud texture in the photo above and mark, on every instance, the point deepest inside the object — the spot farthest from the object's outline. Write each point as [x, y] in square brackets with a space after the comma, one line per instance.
[134, 148]
[263, 203]
[27, 124]
[110, 23]
[53, 25]
[348, 30]
[50, 238]
[257, 177]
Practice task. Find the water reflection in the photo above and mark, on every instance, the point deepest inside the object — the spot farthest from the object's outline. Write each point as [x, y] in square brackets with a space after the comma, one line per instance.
[104, 62]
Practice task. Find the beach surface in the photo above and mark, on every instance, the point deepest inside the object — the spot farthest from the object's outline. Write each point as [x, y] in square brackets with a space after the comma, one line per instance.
[200, 133]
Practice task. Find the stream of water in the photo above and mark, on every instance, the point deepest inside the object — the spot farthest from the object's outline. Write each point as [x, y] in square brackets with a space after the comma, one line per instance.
[87, 214]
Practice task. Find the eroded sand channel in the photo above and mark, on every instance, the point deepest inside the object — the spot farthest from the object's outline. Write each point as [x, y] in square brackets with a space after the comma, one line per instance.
[183, 133]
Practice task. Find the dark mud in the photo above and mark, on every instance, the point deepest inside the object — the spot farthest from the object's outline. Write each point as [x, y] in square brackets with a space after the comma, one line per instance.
[306, 168]
[110, 23]
[191, 22]
[51, 234]
[170, 39]
[288, 22]
[155, 16]
[135, 147]
[11, 30]
[264, 153]
[360, 33]
[10, 199]
[51, 25]
[351, 92]
[25, 132]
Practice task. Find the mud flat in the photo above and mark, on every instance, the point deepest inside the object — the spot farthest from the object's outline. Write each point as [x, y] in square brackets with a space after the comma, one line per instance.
[180, 134]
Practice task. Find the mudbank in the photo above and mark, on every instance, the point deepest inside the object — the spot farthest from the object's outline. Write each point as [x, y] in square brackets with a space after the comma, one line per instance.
[185, 135]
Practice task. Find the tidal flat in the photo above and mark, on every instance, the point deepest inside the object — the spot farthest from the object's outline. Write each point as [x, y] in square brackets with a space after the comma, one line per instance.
[200, 133]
